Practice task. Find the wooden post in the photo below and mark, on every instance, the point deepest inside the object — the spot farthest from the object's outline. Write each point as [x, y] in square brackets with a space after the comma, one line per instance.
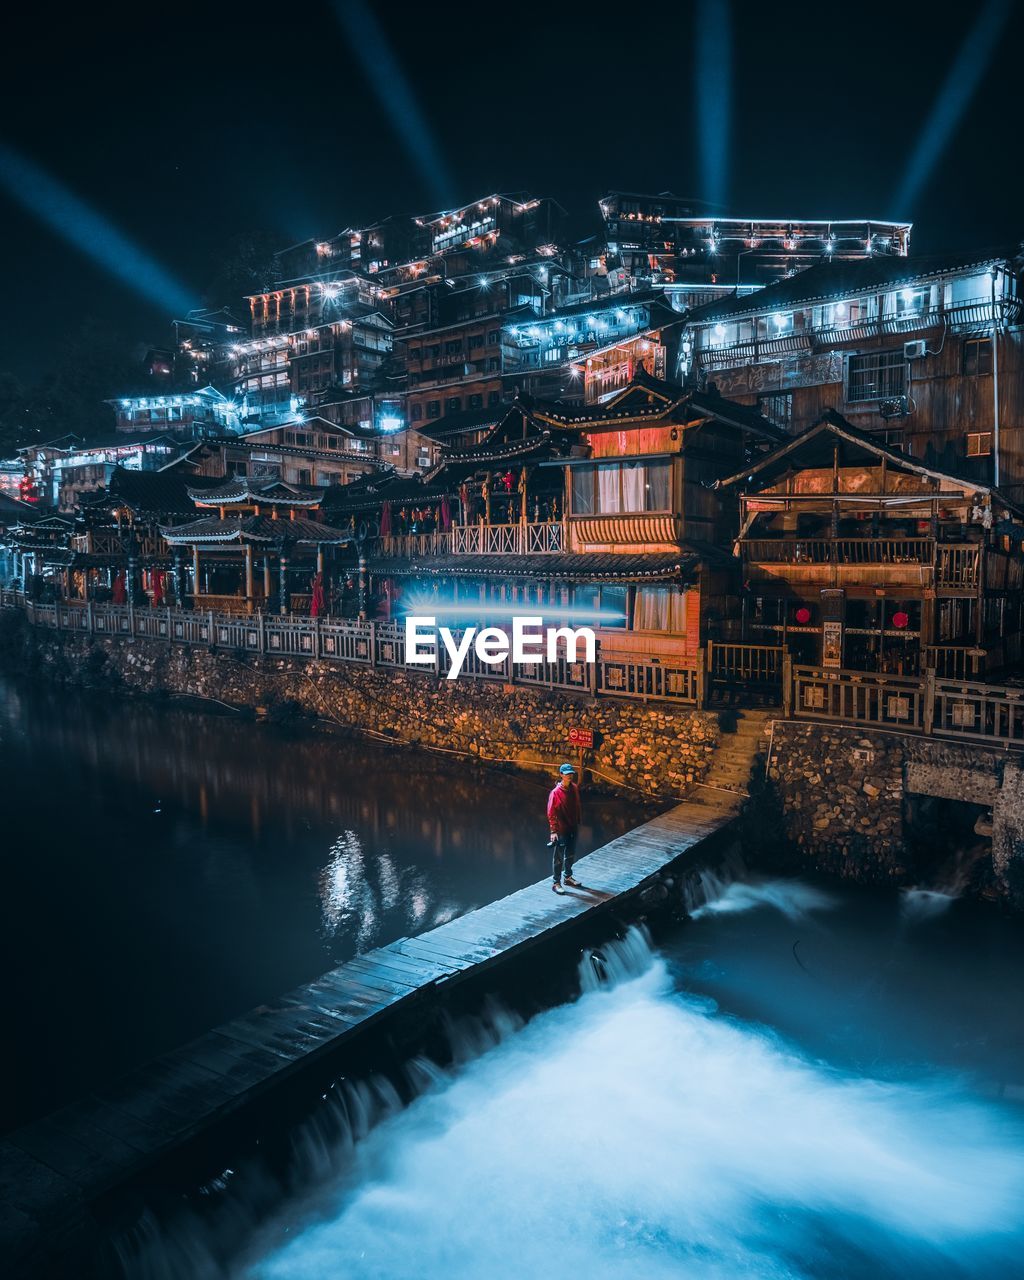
[700, 694]
[787, 685]
[266, 581]
[195, 576]
[373, 643]
[929, 699]
[248, 578]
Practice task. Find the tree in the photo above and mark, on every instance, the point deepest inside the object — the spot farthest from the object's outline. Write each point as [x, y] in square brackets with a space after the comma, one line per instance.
[246, 266]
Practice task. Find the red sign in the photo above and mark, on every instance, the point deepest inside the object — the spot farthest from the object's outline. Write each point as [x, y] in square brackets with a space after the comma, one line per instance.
[581, 737]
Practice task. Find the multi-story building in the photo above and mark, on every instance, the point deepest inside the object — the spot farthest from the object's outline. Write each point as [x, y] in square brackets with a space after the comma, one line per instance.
[521, 222]
[925, 353]
[603, 514]
[657, 239]
[196, 414]
[590, 350]
[203, 340]
[62, 471]
[856, 556]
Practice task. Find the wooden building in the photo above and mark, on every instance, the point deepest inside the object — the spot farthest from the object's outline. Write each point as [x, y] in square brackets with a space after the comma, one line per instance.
[260, 548]
[603, 514]
[855, 555]
[925, 353]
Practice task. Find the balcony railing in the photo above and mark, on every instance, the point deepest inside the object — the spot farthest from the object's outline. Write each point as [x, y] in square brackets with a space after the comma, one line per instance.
[542, 538]
[956, 565]
[930, 704]
[976, 313]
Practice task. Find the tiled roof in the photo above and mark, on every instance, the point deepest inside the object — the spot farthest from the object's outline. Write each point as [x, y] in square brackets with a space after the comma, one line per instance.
[158, 492]
[272, 491]
[813, 447]
[369, 492]
[263, 530]
[672, 566]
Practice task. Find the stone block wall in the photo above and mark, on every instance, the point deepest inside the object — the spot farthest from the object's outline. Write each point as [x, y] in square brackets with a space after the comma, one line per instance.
[842, 795]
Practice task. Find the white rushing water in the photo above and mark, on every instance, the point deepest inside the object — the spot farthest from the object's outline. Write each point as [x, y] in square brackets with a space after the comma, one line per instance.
[639, 1133]
[792, 897]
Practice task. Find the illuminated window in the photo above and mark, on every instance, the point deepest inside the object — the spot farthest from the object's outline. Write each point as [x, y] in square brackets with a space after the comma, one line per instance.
[911, 302]
[979, 444]
[611, 487]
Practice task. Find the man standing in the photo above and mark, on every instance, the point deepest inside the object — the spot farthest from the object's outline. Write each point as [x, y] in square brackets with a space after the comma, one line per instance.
[564, 815]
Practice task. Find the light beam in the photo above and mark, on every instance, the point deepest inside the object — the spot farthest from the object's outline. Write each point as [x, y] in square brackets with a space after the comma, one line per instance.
[395, 94]
[954, 98]
[93, 235]
[713, 81]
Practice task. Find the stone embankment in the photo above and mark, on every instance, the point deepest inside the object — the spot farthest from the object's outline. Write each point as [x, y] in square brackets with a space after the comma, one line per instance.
[881, 807]
[658, 750]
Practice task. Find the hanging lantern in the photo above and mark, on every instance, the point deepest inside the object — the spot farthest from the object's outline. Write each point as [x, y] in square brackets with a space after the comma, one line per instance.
[900, 619]
[803, 615]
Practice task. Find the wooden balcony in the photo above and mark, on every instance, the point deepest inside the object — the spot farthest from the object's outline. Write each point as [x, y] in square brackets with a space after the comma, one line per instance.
[541, 538]
[838, 562]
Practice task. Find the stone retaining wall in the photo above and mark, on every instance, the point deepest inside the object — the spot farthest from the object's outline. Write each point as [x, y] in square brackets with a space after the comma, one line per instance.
[842, 795]
[657, 749]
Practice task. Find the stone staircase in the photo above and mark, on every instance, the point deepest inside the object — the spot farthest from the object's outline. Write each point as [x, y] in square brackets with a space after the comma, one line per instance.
[744, 738]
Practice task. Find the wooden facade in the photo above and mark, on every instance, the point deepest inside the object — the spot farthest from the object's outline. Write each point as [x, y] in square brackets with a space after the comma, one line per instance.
[856, 556]
[928, 354]
[602, 513]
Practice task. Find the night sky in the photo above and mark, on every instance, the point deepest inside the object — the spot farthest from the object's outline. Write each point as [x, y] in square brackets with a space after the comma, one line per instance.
[186, 125]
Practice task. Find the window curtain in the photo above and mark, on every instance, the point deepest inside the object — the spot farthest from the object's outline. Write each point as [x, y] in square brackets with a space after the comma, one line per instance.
[658, 487]
[659, 609]
[582, 491]
[608, 489]
[633, 486]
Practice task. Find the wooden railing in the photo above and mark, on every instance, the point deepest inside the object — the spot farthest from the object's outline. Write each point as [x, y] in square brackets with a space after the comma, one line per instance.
[974, 314]
[373, 644]
[521, 539]
[929, 704]
[759, 664]
[992, 714]
[956, 565]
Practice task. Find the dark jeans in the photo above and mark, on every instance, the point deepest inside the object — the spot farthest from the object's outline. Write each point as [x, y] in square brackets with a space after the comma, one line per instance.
[563, 855]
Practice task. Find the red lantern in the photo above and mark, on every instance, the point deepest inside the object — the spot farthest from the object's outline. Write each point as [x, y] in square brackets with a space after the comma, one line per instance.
[803, 615]
[900, 619]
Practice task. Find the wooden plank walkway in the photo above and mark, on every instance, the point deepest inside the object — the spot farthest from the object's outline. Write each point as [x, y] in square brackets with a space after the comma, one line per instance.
[53, 1169]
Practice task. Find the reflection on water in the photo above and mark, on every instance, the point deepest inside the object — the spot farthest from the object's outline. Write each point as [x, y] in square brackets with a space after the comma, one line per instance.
[647, 1132]
[165, 870]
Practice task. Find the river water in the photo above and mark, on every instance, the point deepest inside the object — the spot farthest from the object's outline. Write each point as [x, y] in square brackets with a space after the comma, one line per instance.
[803, 1081]
[164, 871]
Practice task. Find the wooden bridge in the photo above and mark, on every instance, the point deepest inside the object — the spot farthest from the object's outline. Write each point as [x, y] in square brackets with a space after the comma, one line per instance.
[55, 1171]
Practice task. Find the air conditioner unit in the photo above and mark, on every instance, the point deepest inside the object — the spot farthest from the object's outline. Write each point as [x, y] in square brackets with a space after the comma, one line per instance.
[915, 350]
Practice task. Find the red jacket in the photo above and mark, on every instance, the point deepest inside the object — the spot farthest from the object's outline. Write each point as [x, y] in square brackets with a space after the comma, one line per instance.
[564, 811]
